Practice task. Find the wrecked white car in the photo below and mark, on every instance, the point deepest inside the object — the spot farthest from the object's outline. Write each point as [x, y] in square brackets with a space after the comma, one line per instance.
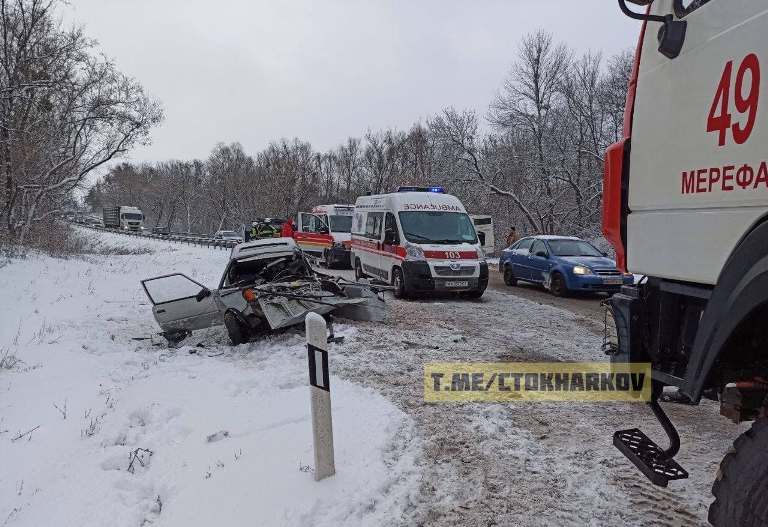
[268, 284]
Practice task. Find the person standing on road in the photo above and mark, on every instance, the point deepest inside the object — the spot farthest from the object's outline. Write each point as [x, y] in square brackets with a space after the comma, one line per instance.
[287, 229]
[512, 236]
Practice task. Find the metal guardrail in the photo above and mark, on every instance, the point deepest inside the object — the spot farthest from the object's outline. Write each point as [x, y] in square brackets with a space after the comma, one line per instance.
[178, 237]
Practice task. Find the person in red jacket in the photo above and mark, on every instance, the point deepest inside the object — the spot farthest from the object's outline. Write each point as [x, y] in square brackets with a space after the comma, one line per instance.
[287, 229]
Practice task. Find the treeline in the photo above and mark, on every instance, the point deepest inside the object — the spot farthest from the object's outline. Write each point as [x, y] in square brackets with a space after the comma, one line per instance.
[537, 164]
[65, 110]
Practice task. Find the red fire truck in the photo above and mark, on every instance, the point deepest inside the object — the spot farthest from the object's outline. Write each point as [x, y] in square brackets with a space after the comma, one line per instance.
[686, 206]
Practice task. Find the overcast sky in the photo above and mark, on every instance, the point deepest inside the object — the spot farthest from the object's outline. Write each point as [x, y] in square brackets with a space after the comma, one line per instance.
[257, 70]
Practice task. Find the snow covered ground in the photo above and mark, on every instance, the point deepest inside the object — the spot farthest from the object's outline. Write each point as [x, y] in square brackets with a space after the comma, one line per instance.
[228, 428]
[99, 429]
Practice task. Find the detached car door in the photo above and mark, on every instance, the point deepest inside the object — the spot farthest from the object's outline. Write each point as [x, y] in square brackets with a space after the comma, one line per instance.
[180, 303]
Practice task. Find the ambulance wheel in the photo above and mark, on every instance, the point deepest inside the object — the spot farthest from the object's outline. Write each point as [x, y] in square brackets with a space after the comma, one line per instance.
[399, 282]
[741, 487]
[359, 274]
[237, 334]
[474, 294]
[509, 276]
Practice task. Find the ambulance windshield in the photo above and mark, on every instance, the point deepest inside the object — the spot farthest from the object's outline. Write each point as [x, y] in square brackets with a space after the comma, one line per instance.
[340, 223]
[437, 227]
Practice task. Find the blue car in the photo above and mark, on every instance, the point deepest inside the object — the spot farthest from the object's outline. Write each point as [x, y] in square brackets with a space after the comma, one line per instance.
[562, 264]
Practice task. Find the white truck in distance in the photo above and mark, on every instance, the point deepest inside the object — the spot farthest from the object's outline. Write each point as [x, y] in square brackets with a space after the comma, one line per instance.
[420, 240]
[686, 205]
[123, 218]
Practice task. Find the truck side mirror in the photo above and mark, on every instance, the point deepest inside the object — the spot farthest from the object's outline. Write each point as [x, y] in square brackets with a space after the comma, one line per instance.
[671, 37]
[671, 34]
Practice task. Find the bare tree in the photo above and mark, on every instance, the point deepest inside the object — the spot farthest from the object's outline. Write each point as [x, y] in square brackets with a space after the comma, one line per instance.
[64, 112]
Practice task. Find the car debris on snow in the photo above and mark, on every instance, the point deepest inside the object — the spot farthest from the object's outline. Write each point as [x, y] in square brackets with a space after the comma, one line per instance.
[267, 285]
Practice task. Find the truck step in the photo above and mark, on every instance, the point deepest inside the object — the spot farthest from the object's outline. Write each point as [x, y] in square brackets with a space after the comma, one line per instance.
[648, 456]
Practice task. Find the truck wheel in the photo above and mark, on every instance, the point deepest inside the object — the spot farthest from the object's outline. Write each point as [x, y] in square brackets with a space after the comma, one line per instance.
[399, 283]
[741, 487]
[509, 276]
[557, 285]
[237, 334]
[359, 274]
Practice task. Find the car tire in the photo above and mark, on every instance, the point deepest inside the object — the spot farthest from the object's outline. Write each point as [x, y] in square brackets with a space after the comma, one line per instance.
[741, 487]
[237, 333]
[359, 274]
[474, 294]
[399, 283]
[557, 285]
[509, 276]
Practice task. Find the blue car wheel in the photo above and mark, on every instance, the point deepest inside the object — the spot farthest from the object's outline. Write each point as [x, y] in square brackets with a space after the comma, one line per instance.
[557, 285]
[509, 276]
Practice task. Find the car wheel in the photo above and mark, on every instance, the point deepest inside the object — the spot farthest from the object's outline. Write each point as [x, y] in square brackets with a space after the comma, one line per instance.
[359, 274]
[237, 334]
[509, 276]
[399, 283]
[475, 294]
[741, 487]
[557, 285]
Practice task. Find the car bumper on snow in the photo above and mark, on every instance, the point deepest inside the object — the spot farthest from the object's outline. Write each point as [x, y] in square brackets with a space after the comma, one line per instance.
[418, 279]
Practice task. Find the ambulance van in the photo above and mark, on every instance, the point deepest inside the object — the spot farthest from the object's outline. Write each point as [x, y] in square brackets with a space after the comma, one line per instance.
[420, 240]
[325, 234]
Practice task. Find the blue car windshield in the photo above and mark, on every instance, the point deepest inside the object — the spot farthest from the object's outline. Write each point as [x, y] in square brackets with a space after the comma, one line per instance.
[572, 248]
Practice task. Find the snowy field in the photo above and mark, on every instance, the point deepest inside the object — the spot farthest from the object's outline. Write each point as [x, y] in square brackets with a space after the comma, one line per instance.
[97, 428]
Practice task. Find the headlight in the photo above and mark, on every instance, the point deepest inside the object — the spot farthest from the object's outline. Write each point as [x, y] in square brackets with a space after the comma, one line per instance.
[414, 253]
[580, 269]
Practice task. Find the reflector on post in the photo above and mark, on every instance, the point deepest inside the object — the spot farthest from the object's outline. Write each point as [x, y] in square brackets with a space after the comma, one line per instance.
[320, 395]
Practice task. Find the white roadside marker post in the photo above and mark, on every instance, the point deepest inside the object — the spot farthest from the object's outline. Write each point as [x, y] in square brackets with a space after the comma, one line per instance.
[320, 395]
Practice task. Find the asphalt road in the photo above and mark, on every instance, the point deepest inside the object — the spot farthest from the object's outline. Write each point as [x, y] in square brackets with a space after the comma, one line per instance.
[584, 305]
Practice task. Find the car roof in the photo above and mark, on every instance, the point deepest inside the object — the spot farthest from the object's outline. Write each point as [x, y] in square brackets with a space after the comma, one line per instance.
[264, 246]
[552, 237]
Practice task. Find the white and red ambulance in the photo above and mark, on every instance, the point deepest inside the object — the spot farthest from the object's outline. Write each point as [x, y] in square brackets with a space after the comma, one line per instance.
[420, 240]
[325, 233]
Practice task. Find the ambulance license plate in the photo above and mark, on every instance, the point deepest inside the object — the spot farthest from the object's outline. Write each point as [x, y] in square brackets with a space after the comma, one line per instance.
[613, 281]
[457, 283]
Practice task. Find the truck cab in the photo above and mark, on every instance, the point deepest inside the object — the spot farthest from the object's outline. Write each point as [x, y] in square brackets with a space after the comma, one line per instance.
[325, 233]
[685, 206]
[420, 240]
